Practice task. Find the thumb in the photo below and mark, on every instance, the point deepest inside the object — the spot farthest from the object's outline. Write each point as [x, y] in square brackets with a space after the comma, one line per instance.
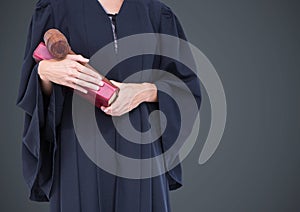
[115, 83]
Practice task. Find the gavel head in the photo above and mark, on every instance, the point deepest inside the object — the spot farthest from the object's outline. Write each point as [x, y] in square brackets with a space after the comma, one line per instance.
[57, 44]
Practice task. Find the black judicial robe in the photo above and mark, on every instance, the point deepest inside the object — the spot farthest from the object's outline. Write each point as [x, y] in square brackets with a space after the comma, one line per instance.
[54, 166]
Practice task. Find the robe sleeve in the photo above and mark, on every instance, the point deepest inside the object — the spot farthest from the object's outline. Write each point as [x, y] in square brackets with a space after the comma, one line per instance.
[169, 24]
[42, 113]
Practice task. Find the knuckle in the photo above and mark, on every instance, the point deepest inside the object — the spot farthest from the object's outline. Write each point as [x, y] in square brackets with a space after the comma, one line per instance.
[73, 64]
[70, 72]
[79, 67]
[83, 69]
[67, 79]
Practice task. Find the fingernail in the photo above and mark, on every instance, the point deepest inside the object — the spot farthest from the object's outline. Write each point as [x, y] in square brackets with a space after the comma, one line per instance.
[97, 88]
[101, 83]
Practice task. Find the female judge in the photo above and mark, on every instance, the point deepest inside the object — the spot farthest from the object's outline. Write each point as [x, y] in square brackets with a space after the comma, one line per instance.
[55, 166]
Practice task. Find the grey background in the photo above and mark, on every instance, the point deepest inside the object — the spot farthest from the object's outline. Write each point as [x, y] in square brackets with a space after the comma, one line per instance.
[254, 46]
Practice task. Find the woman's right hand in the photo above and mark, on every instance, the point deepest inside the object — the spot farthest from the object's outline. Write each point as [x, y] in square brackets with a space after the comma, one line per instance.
[69, 72]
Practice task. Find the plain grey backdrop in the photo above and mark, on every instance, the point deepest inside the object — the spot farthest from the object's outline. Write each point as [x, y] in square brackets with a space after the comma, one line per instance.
[255, 48]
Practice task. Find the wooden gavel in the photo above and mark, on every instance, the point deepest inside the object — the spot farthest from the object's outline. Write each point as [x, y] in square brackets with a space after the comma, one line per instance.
[58, 47]
[57, 44]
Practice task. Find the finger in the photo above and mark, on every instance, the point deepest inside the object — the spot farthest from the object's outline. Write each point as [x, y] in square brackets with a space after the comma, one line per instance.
[89, 78]
[108, 113]
[106, 109]
[78, 58]
[77, 87]
[88, 71]
[115, 110]
[86, 84]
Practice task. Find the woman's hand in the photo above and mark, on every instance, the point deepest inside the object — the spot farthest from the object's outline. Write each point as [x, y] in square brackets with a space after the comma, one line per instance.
[130, 96]
[69, 72]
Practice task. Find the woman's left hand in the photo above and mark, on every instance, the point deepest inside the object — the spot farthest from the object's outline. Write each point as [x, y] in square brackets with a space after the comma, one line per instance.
[130, 96]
